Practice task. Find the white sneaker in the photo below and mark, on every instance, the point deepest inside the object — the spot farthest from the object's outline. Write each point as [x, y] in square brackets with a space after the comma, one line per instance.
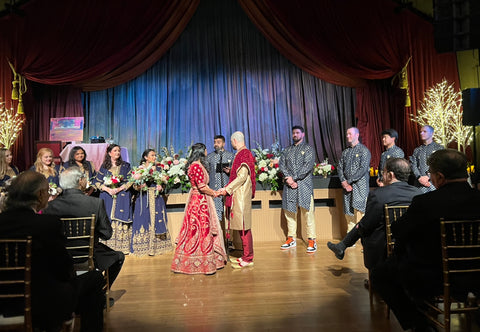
[290, 243]
[312, 246]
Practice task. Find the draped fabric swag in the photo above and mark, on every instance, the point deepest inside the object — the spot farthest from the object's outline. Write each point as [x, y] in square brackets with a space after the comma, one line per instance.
[220, 75]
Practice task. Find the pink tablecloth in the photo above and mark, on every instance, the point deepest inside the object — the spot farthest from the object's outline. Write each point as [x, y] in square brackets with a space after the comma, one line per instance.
[95, 152]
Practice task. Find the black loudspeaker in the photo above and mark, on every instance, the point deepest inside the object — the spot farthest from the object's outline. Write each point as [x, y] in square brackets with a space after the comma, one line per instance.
[456, 25]
[471, 107]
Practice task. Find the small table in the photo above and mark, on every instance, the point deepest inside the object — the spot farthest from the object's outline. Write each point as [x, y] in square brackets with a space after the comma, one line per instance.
[95, 152]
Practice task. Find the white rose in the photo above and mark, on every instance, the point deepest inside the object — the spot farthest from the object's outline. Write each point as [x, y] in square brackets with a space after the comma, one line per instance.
[107, 181]
[262, 177]
[262, 163]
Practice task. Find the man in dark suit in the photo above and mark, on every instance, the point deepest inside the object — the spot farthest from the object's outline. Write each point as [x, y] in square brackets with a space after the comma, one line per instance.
[74, 203]
[371, 228]
[56, 291]
[416, 266]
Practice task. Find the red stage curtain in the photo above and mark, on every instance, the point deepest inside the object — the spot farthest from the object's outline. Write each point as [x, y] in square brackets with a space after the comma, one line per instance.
[359, 43]
[93, 44]
[81, 45]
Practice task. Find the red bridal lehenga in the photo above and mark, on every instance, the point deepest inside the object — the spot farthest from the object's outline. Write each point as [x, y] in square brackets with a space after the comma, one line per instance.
[200, 247]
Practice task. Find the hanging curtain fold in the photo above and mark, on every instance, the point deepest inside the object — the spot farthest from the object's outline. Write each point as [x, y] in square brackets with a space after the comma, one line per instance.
[348, 43]
[361, 43]
[83, 45]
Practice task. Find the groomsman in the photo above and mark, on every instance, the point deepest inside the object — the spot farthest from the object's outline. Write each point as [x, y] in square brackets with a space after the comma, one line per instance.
[296, 163]
[389, 140]
[353, 172]
[219, 162]
[419, 159]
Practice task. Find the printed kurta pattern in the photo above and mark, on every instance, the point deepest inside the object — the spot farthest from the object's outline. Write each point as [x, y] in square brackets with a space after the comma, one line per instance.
[353, 167]
[297, 161]
[419, 163]
[393, 152]
[218, 180]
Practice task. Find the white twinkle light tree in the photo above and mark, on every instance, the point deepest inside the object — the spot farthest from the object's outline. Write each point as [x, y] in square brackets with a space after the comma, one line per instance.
[442, 109]
[10, 125]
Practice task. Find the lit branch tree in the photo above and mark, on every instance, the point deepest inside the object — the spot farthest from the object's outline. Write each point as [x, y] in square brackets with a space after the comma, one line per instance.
[442, 109]
[10, 125]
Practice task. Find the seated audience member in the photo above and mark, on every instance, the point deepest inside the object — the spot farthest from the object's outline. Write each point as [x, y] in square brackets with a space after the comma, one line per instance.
[415, 269]
[371, 228]
[74, 203]
[56, 291]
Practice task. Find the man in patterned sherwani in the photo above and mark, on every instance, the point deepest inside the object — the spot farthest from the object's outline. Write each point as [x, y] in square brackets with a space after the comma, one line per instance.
[389, 140]
[419, 159]
[296, 163]
[219, 162]
[353, 172]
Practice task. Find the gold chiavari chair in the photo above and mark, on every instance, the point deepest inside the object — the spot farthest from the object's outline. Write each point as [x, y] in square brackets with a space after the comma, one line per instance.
[460, 241]
[15, 281]
[391, 213]
[83, 228]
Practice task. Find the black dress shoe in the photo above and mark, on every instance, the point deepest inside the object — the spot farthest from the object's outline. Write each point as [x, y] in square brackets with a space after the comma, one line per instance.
[366, 283]
[339, 253]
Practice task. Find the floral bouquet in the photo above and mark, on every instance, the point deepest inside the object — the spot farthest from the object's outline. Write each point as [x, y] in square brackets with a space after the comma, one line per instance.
[141, 176]
[53, 189]
[266, 165]
[173, 170]
[113, 181]
[323, 168]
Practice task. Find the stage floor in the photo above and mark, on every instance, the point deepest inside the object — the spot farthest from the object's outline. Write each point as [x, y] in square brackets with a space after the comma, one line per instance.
[284, 291]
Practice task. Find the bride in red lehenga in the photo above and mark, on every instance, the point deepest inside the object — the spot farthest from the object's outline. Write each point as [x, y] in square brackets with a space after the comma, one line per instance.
[200, 247]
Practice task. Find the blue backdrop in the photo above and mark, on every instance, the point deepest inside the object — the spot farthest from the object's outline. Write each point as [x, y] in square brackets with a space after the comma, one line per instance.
[220, 76]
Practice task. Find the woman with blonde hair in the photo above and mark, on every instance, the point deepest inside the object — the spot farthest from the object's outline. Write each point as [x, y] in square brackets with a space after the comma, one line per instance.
[45, 166]
[7, 170]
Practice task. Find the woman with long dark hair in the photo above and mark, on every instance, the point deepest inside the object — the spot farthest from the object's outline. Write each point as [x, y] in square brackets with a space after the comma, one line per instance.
[7, 170]
[112, 182]
[149, 237]
[200, 248]
[78, 157]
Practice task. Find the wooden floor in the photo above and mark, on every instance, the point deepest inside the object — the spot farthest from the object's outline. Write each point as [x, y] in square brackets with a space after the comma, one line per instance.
[285, 291]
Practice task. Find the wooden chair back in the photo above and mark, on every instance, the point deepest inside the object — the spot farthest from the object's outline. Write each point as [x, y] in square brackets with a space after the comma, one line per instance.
[392, 213]
[83, 228]
[80, 234]
[460, 241]
[15, 281]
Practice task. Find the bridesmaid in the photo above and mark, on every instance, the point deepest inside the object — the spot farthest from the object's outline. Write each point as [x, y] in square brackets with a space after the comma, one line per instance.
[117, 197]
[149, 231]
[45, 165]
[7, 170]
[78, 157]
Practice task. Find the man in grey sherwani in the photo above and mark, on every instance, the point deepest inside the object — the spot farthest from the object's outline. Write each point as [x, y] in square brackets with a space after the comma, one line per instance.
[296, 163]
[353, 171]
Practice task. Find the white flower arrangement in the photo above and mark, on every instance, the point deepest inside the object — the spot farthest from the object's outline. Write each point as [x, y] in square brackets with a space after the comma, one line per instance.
[324, 168]
[266, 165]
